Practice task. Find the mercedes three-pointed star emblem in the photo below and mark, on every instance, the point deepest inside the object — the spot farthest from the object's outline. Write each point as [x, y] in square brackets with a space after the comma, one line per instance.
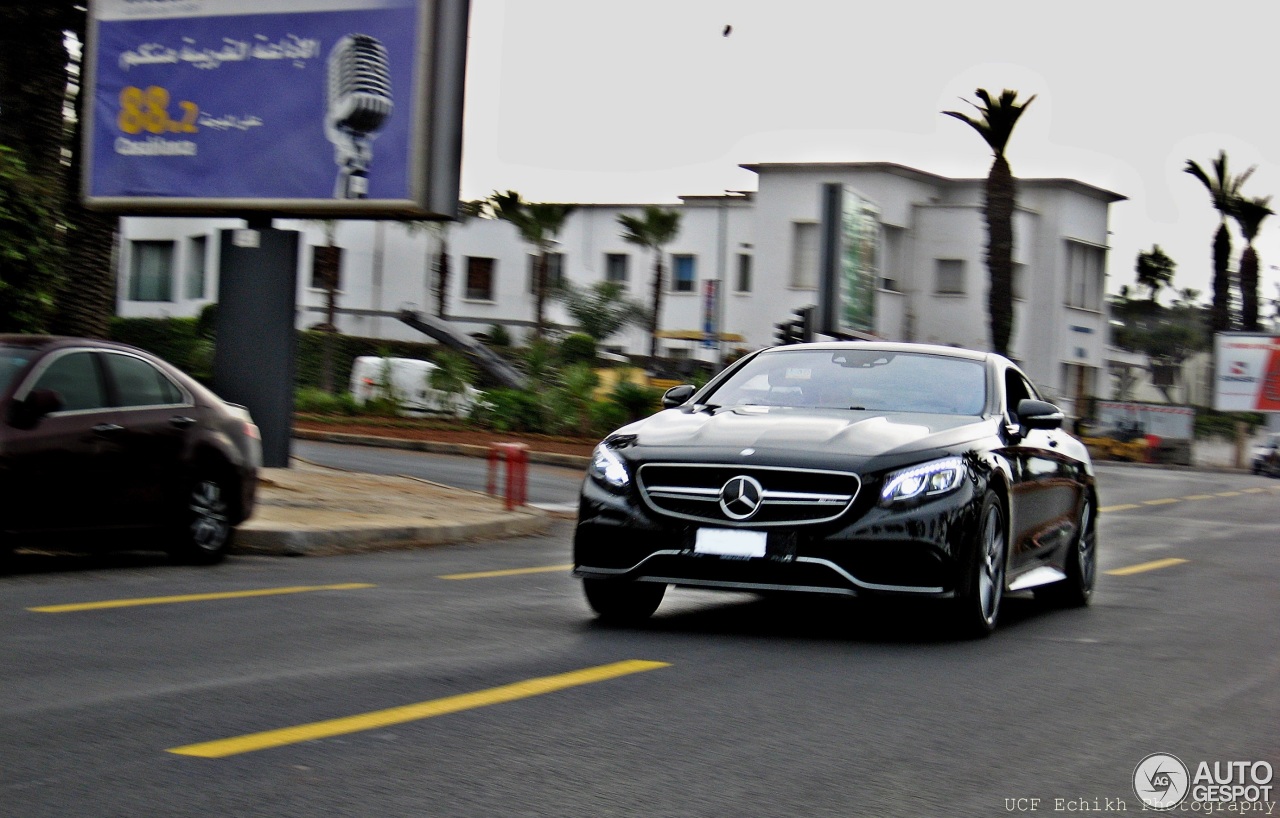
[740, 497]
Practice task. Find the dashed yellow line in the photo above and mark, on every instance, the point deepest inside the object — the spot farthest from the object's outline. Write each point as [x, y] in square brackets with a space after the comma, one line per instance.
[509, 572]
[1198, 497]
[169, 600]
[413, 712]
[1227, 494]
[1164, 502]
[1125, 507]
[1254, 491]
[1145, 566]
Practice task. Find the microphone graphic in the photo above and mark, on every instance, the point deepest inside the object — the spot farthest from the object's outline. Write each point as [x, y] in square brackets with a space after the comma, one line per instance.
[359, 102]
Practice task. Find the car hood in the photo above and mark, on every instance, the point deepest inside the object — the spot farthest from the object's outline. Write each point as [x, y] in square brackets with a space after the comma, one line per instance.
[842, 432]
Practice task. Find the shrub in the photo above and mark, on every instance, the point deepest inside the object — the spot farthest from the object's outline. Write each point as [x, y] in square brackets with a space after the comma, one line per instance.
[512, 410]
[634, 400]
[319, 402]
[607, 416]
[577, 348]
[499, 336]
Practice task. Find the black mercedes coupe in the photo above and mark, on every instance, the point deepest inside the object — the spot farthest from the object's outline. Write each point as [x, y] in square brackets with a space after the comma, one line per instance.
[846, 468]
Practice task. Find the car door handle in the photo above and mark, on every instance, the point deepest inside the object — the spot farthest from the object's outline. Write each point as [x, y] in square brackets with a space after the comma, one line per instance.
[181, 421]
[107, 429]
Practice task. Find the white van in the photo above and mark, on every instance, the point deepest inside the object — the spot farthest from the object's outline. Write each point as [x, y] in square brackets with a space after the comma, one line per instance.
[408, 382]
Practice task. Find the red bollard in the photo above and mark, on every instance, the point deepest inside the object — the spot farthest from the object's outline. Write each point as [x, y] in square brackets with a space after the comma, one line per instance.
[516, 457]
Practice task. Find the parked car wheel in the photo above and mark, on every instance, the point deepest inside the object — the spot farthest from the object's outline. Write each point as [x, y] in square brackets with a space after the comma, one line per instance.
[1076, 590]
[206, 529]
[981, 591]
[622, 603]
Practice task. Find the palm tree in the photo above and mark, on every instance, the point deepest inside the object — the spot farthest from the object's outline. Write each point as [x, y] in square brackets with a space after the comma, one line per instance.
[602, 309]
[655, 229]
[995, 125]
[1155, 270]
[437, 260]
[1249, 214]
[539, 223]
[1224, 189]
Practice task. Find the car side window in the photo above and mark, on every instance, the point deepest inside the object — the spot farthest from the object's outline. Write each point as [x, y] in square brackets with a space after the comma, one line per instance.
[75, 377]
[1016, 389]
[138, 383]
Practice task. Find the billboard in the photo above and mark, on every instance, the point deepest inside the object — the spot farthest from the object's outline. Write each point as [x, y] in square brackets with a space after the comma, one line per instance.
[289, 107]
[1246, 374]
[850, 263]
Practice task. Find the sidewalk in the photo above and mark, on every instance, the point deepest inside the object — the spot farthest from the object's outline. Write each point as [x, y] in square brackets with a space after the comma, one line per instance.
[311, 510]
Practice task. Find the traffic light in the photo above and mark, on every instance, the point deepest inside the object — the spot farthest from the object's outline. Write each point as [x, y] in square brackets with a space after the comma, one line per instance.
[798, 330]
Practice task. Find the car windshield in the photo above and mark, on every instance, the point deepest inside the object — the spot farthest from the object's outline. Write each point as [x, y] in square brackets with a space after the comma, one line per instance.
[12, 360]
[860, 379]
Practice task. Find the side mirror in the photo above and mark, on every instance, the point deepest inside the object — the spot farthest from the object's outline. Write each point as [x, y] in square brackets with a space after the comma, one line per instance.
[1038, 414]
[677, 395]
[25, 414]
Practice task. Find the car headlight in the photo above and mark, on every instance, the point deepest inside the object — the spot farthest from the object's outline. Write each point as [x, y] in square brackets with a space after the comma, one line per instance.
[926, 480]
[607, 468]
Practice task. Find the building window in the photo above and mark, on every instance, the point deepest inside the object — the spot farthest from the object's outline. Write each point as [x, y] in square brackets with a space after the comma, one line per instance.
[1084, 275]
[743, 283]
[480, 278]
[555, 272]
[949, 276]
[615, 268]
[894, 243]
[683, 273]
[197, 263]
[804, 255]
[151, 271]
[326, 267]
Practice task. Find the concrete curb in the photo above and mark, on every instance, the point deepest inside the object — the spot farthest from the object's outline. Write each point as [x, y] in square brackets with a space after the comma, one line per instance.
[298, 542]
[547, 458]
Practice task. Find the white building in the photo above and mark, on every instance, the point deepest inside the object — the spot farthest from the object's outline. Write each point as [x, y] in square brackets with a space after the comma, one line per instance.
[763, 247]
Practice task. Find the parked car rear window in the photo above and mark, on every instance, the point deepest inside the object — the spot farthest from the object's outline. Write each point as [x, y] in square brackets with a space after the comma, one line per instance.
[138, 383]
[12, 360]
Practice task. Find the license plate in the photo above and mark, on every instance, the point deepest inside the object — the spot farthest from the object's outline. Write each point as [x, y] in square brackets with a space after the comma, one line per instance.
[730, 542]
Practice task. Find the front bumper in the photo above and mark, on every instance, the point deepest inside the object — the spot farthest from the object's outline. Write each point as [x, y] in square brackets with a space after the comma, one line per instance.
[869, 550]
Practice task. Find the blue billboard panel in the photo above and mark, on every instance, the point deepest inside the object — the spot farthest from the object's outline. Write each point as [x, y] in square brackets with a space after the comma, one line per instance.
[285, 104]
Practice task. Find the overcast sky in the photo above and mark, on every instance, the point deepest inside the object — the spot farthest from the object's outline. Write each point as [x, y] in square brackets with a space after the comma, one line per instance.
[609, 101]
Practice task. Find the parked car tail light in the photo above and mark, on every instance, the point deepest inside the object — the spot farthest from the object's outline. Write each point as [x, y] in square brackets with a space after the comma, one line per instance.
[926, 480]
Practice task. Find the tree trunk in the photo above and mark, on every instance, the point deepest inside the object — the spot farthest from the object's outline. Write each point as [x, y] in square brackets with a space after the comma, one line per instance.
[539, 293]
[1249, 289]
[655, 320]
[442, 277]
[1001, 192]
[1220, 311]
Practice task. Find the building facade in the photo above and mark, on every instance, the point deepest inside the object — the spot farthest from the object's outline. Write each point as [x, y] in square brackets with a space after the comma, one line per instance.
[758, 251]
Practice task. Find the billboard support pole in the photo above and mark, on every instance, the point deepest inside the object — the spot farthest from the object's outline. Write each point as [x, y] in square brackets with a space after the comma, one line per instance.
[257, 284]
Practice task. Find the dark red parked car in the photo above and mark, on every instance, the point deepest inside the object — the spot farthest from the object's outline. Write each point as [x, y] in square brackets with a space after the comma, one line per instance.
[104, 445]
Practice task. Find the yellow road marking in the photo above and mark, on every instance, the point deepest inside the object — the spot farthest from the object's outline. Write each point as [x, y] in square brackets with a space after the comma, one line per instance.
[509, 572]
[413, 712]
[1125, 507]
[166, 600]
[1254, 491]
[1145, 566]
[1228, 494]
[1198, 497]
[1166, 501]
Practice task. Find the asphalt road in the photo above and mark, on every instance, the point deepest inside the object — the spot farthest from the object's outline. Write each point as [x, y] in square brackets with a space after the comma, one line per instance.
[472, 681]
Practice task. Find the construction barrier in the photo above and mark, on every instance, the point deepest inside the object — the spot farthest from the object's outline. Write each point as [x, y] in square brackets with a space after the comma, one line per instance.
[516, 458]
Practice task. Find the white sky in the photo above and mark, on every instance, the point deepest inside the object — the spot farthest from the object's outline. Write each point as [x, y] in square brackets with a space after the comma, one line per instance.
[610, 101]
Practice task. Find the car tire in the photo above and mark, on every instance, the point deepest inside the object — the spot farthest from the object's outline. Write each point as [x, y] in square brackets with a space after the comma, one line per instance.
[204, 531]
[1076, 591]
[620, 602]
[980, 590]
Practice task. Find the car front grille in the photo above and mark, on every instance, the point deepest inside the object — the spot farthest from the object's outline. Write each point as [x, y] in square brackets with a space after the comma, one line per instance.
[705, 493]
